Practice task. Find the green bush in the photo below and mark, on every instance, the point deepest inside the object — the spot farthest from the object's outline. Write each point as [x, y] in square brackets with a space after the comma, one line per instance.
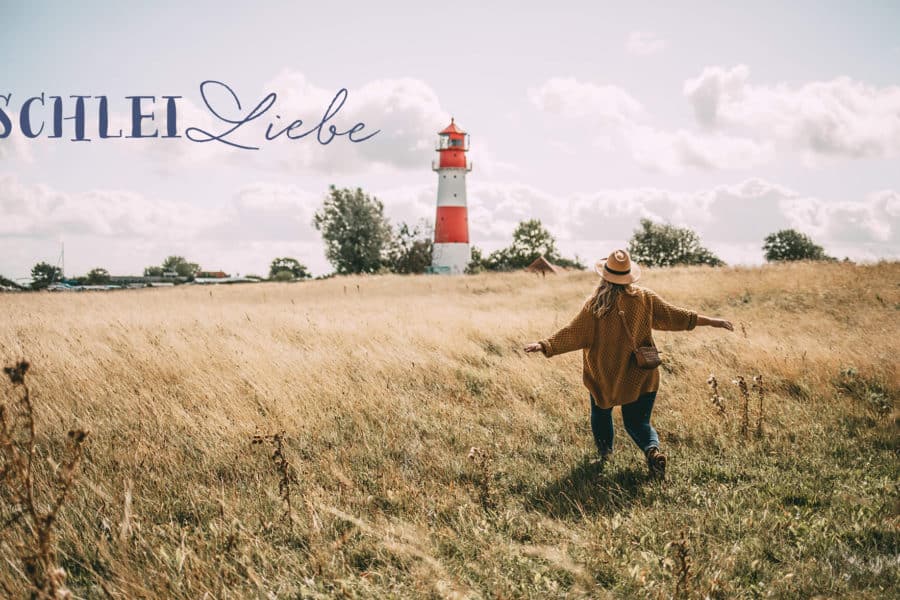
[664, 245]
[790, 244]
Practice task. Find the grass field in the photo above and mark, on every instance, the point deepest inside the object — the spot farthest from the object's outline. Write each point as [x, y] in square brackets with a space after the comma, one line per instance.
[383, 385]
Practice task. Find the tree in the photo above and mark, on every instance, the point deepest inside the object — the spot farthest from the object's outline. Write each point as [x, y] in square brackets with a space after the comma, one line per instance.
[477, 261]
[283, 275]
[574, 263]
[790, 244]
[43, 274]
[291, 266]
[180, 266]
[410, 249]
[4, 282]
[98, 276]
[664, 245]
[153, 272]
[530, 241]
[501, 260]
[354, 229]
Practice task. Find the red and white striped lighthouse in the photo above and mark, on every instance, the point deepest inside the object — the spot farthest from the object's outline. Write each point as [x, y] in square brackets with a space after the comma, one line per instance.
[451, 226]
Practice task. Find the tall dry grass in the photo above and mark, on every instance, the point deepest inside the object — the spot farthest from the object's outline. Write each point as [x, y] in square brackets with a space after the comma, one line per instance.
[383, 385]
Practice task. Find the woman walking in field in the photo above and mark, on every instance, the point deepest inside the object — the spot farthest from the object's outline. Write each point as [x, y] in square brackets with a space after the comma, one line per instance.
[614, 331]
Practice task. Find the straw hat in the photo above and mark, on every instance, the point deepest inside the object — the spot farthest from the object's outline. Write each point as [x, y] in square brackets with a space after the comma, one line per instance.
[618, 268]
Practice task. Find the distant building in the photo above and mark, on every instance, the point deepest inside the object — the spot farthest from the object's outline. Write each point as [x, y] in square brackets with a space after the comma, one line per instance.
[136, 281]
[227, 279]
[129, 280]
[212, 275]
[543, 266]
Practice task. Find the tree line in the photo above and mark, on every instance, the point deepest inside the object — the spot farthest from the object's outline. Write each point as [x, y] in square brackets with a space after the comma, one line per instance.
[359, 238]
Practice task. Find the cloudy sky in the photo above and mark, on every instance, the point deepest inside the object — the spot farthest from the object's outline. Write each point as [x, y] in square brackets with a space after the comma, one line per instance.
[589, 116]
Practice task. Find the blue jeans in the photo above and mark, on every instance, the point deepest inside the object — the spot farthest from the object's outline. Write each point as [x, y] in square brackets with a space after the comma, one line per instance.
[635, 416]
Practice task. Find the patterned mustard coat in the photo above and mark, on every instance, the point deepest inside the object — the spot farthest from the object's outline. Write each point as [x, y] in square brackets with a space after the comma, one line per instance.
[610, 372]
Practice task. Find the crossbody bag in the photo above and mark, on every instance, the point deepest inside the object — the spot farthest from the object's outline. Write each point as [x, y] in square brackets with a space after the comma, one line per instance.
[646, 357]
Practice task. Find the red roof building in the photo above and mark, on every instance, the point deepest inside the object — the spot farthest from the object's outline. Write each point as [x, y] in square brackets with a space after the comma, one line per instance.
[543, 266]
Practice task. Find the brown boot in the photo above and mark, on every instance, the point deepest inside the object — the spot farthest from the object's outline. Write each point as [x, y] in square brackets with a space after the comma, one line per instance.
[656, 462]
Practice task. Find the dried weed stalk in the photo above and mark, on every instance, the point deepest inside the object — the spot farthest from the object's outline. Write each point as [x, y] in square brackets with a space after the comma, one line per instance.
[33, 528]
[760, 390]
[716, 399]
[745, 405]
[682, 567]
[286, 473]
[484, 475]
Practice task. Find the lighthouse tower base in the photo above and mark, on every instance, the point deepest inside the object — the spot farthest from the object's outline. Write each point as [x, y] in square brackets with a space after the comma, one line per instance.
[450, 259]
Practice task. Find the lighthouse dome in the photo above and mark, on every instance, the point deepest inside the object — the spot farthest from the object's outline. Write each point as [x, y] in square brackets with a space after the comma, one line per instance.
[451, 129]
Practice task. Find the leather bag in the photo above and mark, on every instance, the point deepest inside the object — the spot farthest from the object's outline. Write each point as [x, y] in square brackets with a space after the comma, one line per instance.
[646, 357]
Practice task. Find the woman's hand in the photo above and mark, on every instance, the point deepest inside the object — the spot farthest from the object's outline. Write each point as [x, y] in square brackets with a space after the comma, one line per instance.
[704, 321]
[723, 324]
[534, 347]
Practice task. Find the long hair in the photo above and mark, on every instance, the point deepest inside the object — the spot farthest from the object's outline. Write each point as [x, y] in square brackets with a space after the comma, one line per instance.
[607, 295]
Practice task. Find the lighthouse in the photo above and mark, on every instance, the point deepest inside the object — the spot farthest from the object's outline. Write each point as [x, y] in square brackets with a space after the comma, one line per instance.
[451, 225]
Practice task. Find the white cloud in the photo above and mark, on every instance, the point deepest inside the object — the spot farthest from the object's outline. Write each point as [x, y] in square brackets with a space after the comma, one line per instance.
[875, 219]
[643, 43]
[674, 152]
[39, 210]
[741, 125]
[566, 148]
[259, 211]
[837, 118]
[266, 212]
[666, 151]
[409, 204]
[496, 208]
[574, 99]
[706, 92]
[125, 231]
[16, 146]
[731, 218]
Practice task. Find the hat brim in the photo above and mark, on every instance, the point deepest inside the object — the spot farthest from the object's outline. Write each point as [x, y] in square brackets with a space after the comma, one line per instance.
[632, 276]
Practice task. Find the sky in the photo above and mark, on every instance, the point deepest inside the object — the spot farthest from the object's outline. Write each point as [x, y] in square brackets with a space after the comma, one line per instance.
[734, 121]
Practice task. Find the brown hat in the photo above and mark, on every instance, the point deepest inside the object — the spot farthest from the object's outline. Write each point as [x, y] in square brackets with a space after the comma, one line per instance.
[618, 268]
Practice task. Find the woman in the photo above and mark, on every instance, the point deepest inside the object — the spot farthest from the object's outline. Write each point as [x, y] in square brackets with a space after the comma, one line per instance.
[615, 320]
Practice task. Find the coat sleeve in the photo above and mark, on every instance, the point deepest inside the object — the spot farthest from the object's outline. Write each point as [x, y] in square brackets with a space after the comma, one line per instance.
[577, 335]
[668, 317]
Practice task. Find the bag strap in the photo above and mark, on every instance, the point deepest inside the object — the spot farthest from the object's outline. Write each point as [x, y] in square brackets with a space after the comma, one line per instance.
[634, 345]
[627, 329]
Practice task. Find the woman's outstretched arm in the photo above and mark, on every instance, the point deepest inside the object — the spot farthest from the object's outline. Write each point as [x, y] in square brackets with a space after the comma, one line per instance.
[704, 321]
[668, 317]
[576, 335]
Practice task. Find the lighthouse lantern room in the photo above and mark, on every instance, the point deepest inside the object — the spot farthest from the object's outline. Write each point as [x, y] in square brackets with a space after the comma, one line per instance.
[451, 252]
